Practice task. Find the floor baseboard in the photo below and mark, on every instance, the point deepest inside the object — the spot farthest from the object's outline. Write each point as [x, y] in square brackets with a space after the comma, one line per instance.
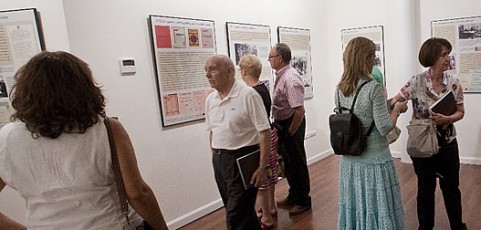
[196, 214]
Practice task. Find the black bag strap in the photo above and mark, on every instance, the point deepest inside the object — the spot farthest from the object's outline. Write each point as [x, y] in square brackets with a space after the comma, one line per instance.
[355, 96]
[339, 108]
[118, 174]
[370, 129]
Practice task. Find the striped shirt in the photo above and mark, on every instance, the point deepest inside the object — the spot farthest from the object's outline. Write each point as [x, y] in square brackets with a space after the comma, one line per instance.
[288, 93]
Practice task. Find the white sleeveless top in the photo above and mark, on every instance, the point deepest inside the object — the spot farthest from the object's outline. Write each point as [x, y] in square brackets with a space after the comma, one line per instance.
[67, 182]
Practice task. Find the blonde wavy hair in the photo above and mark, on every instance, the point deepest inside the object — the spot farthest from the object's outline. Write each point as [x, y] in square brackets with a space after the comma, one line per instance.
[357, 52]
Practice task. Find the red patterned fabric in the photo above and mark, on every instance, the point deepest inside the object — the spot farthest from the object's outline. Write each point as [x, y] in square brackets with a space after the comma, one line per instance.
[271, 180]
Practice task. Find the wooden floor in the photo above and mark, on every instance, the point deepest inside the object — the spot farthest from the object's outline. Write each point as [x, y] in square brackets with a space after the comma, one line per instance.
[324, 192]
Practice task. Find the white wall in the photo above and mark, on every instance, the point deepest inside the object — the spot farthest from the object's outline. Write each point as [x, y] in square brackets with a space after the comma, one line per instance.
[175, 161]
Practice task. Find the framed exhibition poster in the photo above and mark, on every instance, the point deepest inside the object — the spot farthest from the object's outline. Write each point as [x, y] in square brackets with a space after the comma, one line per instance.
[299, 40]
[244, 39]
[464, 34]
[20, 39]
[376, 34]
[180, 47]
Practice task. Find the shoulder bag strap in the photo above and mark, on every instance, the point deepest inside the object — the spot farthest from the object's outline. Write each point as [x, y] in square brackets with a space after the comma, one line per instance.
[338, 108]
[422, 83]
[371, 127]
[353, 102]
[338, 99]
[357, 93]
[118, 174]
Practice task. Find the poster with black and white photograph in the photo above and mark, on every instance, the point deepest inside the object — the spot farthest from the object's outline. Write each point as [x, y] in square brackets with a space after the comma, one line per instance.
[181, 47]
[464, 34]
[20, 40]
[299, 40]
[244, 39]
[376, 34]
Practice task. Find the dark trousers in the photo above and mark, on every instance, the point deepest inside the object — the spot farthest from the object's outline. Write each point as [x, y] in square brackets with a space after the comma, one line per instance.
[293, 153]
[445, 166]
[238, 202]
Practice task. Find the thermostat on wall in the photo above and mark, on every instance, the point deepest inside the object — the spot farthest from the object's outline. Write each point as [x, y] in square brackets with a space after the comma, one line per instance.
[127, 66]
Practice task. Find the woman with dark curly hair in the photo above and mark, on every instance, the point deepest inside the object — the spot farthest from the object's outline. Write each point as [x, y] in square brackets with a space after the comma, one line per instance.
[56, 152]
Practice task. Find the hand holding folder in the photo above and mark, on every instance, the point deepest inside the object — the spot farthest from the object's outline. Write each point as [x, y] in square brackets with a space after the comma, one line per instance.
[445, 105]
[247, 165]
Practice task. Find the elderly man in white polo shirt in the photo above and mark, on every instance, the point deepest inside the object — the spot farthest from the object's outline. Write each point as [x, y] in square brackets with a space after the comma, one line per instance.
[237, 124]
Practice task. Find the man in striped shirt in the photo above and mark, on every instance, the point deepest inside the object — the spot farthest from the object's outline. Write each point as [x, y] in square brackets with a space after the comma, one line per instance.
[288, 112]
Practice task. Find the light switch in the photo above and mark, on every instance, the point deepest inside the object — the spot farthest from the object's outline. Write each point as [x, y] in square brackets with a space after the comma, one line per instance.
[127, 66]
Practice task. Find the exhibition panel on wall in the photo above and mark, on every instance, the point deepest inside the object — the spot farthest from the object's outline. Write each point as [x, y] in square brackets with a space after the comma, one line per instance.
[181, 46]
[299, 40]
[464, 34]
[20, 40]
[244, 39]
[376, 34]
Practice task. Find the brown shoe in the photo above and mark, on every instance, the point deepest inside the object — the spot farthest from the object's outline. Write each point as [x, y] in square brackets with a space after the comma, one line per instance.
[297, 209]
[285, 203]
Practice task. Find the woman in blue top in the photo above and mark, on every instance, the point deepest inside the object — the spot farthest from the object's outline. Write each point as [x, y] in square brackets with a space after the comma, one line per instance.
[369, 193]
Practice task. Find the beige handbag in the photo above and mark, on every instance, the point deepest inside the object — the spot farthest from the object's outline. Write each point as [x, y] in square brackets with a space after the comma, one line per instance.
[422, 140]
[393, 135]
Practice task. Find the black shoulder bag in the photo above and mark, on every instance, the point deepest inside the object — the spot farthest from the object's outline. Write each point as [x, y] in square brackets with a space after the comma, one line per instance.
[346, 129]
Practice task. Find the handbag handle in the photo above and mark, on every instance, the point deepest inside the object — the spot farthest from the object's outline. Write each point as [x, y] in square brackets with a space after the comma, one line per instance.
[118, 174]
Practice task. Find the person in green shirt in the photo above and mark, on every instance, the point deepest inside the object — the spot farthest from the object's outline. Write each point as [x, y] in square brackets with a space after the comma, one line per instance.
[377, 75]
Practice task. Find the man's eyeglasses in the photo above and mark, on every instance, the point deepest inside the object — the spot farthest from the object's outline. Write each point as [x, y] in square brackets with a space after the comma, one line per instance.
[273, 56]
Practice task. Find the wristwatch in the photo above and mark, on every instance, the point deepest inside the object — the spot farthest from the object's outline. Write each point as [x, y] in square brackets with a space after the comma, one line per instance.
[268, 169]
[397, 112]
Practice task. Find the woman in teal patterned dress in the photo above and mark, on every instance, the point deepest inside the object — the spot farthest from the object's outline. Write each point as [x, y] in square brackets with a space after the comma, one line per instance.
[369, 193]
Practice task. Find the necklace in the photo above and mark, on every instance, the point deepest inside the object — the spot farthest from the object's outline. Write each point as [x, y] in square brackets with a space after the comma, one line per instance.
[436, 78]
[436, 82]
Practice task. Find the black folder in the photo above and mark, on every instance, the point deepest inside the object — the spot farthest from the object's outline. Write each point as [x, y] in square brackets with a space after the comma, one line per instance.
[445, 105]
[247, 165]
